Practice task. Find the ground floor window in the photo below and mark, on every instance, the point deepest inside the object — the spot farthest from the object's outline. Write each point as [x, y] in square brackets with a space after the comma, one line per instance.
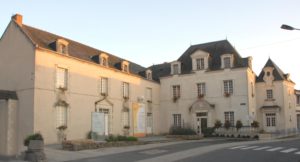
[149, 119]
[177, 120]
[229, 116]
[61, 116]
[126, 119]
[271, 119]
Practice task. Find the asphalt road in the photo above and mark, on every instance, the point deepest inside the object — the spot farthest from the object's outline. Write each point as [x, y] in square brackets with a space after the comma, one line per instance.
[284, 151]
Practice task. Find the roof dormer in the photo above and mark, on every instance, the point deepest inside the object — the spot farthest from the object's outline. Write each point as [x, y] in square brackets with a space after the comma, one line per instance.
[125, 66]
[268, 75]
[62, 46]
[200, 60]
[175, 67]
[103, 59]
[227, 61]
[149, 74]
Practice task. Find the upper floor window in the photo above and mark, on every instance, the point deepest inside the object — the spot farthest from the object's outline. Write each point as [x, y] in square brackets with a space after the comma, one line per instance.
[104, 87]
[175, 69]
[104, 61]
[227, 63]
[228, 87]
[298, 99]
[229, 116]
[201, 89]
[125, 90]
[125, 66]
[61, 78]
[149, 94]
[176, 91]
[269, 94]
[200, 63]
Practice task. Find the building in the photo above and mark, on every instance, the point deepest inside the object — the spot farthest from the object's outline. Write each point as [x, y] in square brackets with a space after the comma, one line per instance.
[58, 87]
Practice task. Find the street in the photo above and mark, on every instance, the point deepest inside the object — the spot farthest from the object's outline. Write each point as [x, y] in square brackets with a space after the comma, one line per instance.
[212, 150]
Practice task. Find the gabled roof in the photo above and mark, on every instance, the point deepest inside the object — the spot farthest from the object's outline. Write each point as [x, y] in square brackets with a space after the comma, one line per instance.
[216, 50]
[5, 95]
[277, 72]
[45, 40]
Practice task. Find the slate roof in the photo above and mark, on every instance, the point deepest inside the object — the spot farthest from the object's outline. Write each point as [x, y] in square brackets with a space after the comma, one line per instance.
[45, 40]
[160, 70]
[277, 72]
[5, 95]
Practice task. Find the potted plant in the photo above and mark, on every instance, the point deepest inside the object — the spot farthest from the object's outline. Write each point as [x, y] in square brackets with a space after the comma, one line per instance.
[226, 94]
[218, 124]
[227, 124]
[35, 147]
[255, 124]
[126, 127]
[103, 94]
[200, 96]
[61, 133]
[175, 99]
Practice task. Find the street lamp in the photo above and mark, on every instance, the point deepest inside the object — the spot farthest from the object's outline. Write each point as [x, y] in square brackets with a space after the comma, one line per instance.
[287, 27]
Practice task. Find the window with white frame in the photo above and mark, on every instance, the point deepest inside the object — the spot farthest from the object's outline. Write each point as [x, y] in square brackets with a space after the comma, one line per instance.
[126, 119]
[149, 74]
[125, 68]
[229, 116]
[177, 120]
[227, 62]
[61, 116]
[271, 119]
[201, 89]
[104, 86]
[61, 77]
[149, 94]
[176, 91]
[125, 90]
[228, 86]
[104, 61]
[269, 94]
[200, 63]
[175, 69]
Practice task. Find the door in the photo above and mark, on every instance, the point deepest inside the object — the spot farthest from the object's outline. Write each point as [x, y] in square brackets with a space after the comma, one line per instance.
[203, 124]
[106, 120]
[149, 123]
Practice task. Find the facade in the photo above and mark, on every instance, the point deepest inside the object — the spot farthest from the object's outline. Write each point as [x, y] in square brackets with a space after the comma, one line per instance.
[51, 83]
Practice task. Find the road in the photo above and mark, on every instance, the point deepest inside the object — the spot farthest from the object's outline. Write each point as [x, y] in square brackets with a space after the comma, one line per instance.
[214, 150]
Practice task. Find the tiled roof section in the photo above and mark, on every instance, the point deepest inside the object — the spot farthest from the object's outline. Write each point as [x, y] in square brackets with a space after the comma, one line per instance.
[5, 95]
[215, 50]
[45, 40]
[160, 70]
[277, 72]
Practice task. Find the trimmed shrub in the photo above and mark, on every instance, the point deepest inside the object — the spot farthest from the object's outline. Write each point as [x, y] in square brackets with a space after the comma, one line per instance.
[255, 124]
[36, 136]
[112, 138]
[208, 132]
[181, 131]
[218, 124]
[227, 124]
[239, 124]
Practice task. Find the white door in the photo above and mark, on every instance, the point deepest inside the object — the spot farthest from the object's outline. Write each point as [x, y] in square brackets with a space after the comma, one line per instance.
[270, 122]
[106, 126]
[149, 123]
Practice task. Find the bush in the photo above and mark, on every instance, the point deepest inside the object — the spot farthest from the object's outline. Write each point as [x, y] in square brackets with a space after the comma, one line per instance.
[218, 124]
[181, 131]
[112, 138]
[208, 132]
[232, 136]
[256, 137]
[227, 124]
[36, 136]
[255, 124]
[239, 124]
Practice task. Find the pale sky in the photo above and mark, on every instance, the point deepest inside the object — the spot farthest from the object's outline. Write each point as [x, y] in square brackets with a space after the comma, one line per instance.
[153, 32]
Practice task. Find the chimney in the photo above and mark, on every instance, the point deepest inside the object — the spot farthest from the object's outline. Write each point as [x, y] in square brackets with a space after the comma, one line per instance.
[18, 19]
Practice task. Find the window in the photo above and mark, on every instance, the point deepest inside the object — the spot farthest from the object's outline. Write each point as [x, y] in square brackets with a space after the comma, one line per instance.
[63, 49]
[149, 119]
[176, 91]
[271, 119]
[149, 75]
[227, 62]
[200, 64]
[126, 119]
[228, 87]
[149, 94]
[104, 86]
[61, 116]
[175, 69]
[177, 120]
[125, 90]
[298, 99]
[61, 78]
[104, 61]
[252, 89]
[201, 89]
[125, 68]
[269, 94]
[229, 116]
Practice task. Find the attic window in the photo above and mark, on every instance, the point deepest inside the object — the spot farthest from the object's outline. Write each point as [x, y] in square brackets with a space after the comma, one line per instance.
[149, 74]
[227, 61]
[175, 68]
[62, 46]
[125, 66]
[103, 59]
[268, 73]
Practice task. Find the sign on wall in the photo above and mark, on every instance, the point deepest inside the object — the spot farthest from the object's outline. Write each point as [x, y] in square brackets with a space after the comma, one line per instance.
[139, 126]
[98, 128]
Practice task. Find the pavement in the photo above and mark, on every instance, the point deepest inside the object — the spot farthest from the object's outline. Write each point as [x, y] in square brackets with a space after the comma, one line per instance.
[162, 149]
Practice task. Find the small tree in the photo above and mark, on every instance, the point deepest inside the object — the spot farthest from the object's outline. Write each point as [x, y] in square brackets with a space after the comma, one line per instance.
[218, 124]
[239, 124]
[227, 124]
[255, 124]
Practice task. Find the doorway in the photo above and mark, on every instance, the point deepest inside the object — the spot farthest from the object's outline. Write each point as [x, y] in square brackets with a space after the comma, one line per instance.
[201, 122]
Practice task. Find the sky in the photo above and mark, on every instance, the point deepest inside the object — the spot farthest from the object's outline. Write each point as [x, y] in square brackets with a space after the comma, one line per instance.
[153, 32]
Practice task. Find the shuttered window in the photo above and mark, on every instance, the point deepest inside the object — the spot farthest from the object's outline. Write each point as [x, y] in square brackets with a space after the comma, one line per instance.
[61, 78]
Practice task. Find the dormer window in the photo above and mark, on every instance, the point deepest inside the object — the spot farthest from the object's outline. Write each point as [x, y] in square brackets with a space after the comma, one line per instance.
[175, 67]
[62, 46]
[125, 66]
[227, 61]
[103, 59]
[200, 60]
[149, 74]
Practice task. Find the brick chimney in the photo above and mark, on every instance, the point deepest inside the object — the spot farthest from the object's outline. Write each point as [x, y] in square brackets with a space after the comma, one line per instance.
[18, 19]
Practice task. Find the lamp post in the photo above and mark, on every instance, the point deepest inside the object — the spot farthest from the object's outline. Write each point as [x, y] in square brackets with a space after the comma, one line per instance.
[287, 27]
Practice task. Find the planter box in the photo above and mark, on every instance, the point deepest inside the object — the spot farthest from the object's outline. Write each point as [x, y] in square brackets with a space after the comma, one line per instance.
[35, 151]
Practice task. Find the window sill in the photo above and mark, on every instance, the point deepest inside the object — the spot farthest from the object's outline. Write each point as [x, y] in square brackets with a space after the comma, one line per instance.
[269, 99]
